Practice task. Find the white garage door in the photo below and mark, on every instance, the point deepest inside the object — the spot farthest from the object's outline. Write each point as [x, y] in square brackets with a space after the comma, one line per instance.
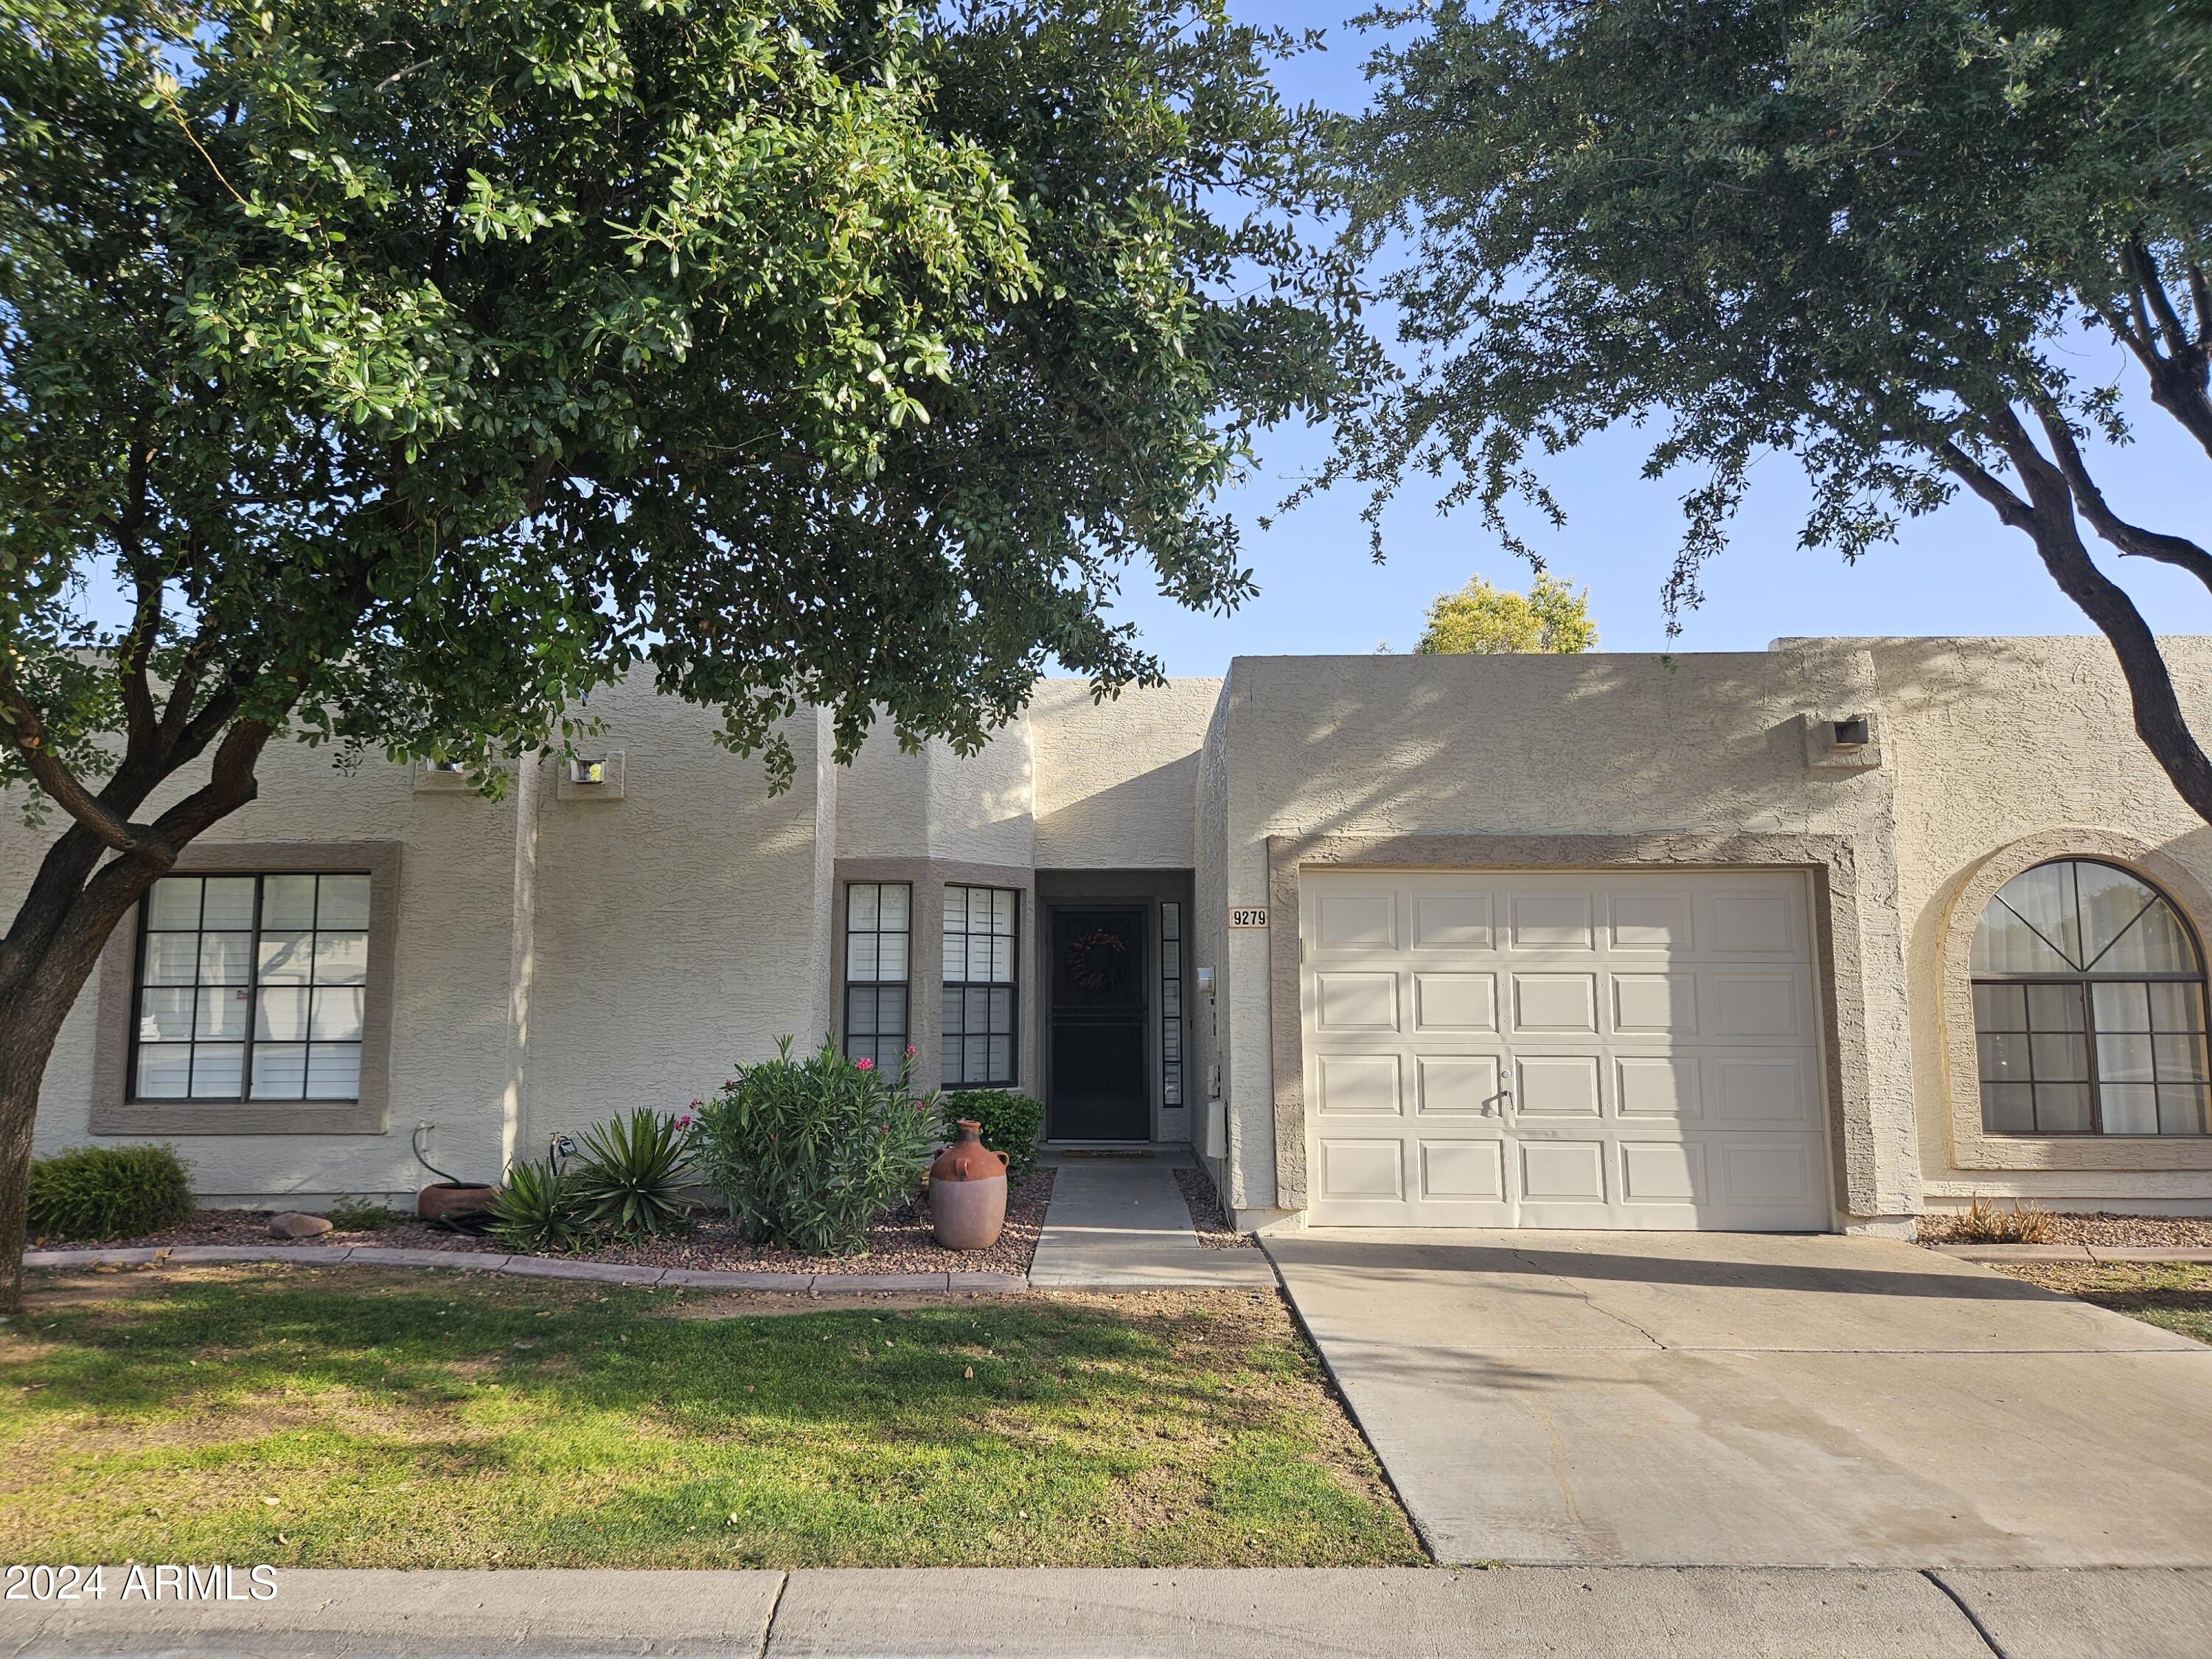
[1503, 1049]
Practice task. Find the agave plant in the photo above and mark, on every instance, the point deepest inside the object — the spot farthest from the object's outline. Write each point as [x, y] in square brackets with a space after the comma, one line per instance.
[631, 1178]
[537, 1207]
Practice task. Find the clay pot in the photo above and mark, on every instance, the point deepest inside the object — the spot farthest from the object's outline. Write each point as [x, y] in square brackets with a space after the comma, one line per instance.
[452, 1197]
[968, 1192]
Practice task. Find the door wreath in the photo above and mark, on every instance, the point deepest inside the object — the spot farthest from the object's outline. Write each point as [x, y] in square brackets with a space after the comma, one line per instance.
[1098, 960]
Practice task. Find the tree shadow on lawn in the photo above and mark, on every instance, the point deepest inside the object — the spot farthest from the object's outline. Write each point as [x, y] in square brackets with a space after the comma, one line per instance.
[469, 1421]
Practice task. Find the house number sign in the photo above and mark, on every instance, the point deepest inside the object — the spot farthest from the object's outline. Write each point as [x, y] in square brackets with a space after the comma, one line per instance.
[1248, 916]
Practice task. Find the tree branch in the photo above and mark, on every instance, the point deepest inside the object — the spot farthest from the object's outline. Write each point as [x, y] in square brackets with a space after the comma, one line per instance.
[135, 841]
[2130, 540]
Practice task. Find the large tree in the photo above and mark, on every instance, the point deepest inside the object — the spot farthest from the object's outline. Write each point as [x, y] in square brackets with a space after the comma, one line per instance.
[1869, 233]
[413, 366]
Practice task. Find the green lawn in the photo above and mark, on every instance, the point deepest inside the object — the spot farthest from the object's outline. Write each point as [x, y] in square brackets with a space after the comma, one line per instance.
[341, 1418]
[2176, 1296]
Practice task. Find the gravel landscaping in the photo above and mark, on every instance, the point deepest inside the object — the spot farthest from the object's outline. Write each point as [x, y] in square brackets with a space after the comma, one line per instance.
[2171, 1232]
[1215, 1230]
[899, 1243]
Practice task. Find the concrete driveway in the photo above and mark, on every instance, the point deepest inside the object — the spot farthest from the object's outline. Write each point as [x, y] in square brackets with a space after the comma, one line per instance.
[1727, 1399]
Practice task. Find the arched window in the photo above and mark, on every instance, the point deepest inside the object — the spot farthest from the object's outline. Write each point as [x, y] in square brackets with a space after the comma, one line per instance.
[2088, 1007]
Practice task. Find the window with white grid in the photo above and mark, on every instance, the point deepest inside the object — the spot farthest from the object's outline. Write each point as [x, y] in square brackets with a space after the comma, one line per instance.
[878, 929]
[979, 986]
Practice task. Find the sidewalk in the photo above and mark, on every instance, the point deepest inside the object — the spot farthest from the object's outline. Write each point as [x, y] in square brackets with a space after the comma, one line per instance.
[1120, 1225]
[1615, 1613]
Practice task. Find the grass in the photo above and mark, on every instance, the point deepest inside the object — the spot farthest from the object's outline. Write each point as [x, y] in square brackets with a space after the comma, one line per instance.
[344, 1418]
[2174, 1296]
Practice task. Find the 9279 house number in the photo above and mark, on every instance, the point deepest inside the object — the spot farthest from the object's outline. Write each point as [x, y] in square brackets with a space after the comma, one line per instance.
[1248, 916]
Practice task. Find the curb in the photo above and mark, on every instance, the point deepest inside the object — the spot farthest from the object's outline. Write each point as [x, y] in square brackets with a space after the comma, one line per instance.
[532, 1266]
[2078, 1253]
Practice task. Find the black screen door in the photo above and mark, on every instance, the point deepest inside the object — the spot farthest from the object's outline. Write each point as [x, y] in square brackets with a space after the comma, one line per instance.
[1099, 1074]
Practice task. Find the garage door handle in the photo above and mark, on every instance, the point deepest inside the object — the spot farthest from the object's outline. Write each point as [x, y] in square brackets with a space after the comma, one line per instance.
[1502, 1099]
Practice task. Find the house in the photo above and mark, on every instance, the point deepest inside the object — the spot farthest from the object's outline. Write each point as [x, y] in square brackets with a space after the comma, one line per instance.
[1816, 938]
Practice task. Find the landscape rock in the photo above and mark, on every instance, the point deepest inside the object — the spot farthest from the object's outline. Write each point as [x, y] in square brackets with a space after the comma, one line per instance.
[297, 1223]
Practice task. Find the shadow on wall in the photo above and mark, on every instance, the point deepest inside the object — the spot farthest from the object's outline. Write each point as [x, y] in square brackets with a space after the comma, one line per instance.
[1146, 821]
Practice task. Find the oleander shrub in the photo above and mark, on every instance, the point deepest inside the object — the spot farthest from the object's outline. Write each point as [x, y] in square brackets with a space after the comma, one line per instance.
[807, 1152]
[631, 1178]
[97, 1193]
[537, 1207]
[1012, 1123]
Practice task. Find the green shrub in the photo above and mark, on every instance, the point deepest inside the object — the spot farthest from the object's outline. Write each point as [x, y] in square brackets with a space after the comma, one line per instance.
[360, 1215]
[1012, 1123]
[631, 1178]
[537, 1207]
[109, 1192]
[807, 1152]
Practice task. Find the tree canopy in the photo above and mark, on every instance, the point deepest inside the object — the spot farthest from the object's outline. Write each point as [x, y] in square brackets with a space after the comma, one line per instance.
[1551, 616]
[415, 366]
[1865, 233]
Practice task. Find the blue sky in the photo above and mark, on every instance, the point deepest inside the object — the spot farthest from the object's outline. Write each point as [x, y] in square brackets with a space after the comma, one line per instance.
[1956, 572]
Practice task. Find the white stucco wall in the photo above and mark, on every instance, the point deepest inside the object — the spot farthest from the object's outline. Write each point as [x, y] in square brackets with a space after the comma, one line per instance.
[1117, 780]
[1992, 740]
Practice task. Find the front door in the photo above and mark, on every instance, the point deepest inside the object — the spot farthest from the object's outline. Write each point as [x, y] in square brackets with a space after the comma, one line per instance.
[1099, 1078]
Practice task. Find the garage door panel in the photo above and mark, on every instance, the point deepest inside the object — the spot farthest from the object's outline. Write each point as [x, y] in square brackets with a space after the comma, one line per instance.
[1557, 1086]
[1669, 1087]
[1555, 1002]
[1454, 1002]
[1358, 1085]
[1456, 1085]
[1624, 1049]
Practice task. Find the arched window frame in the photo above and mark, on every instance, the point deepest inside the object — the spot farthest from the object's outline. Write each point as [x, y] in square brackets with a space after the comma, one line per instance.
[2080, 1022]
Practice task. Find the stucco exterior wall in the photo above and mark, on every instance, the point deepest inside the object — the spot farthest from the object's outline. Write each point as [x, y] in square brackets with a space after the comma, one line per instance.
[1993, 741]
[1116, 782]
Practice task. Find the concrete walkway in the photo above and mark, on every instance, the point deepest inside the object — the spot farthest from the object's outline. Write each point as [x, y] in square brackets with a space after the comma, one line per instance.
[1718, 1399]
[1261, 1614]
[1121, 1224]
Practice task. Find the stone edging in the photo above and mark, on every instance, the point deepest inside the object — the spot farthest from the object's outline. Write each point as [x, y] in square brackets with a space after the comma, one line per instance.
[528, 1266]
[2104, 1253]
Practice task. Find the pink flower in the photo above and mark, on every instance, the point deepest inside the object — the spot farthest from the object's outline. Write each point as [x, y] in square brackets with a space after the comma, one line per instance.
[683, 1122]
[909, 1051]
[865, 1065]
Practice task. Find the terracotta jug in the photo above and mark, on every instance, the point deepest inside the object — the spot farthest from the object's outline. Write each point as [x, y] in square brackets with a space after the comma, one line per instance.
[968, 1192]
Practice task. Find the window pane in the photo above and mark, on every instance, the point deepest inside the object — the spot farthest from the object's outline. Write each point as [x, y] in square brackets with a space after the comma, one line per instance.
[172, 958]
[956, 957]
[890, 1013]
[280, 1071]
[223, 958]
[2180, 1059]
[288, 903]
[956, 910]
[337, 1014]
[1002, 961]
[2130, 1109]
[2123, 1058]
[1171, 999]
[1171, 921]
[2181, 1109]
[1171, 1041]
[340, 958]
[2155, 944]
[861, 956]
[859, 1017]
[165, 1016]
[892, 910]
[222, 1015]
[1002, 1011]
[1171, 1094]
[891, 1055]
[890, 962]
[2053, 1007]
[2111, 901]
[956, 1006]
[2176, 1007]
[173, 902]
[217, 1070]
[949, 1067]
[1002, 910]
[228, 903]
[2121, 1006]
[2005, 1057]
[2061, 1109]
[334, 1071]
[282, 1015]
[976, 1058]
[1170, 959]
[286, 959]
[1002, 1059]
[165, 1071]
[860, 907]
[341, 902]
[2031, 925]
[2008, 1109]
